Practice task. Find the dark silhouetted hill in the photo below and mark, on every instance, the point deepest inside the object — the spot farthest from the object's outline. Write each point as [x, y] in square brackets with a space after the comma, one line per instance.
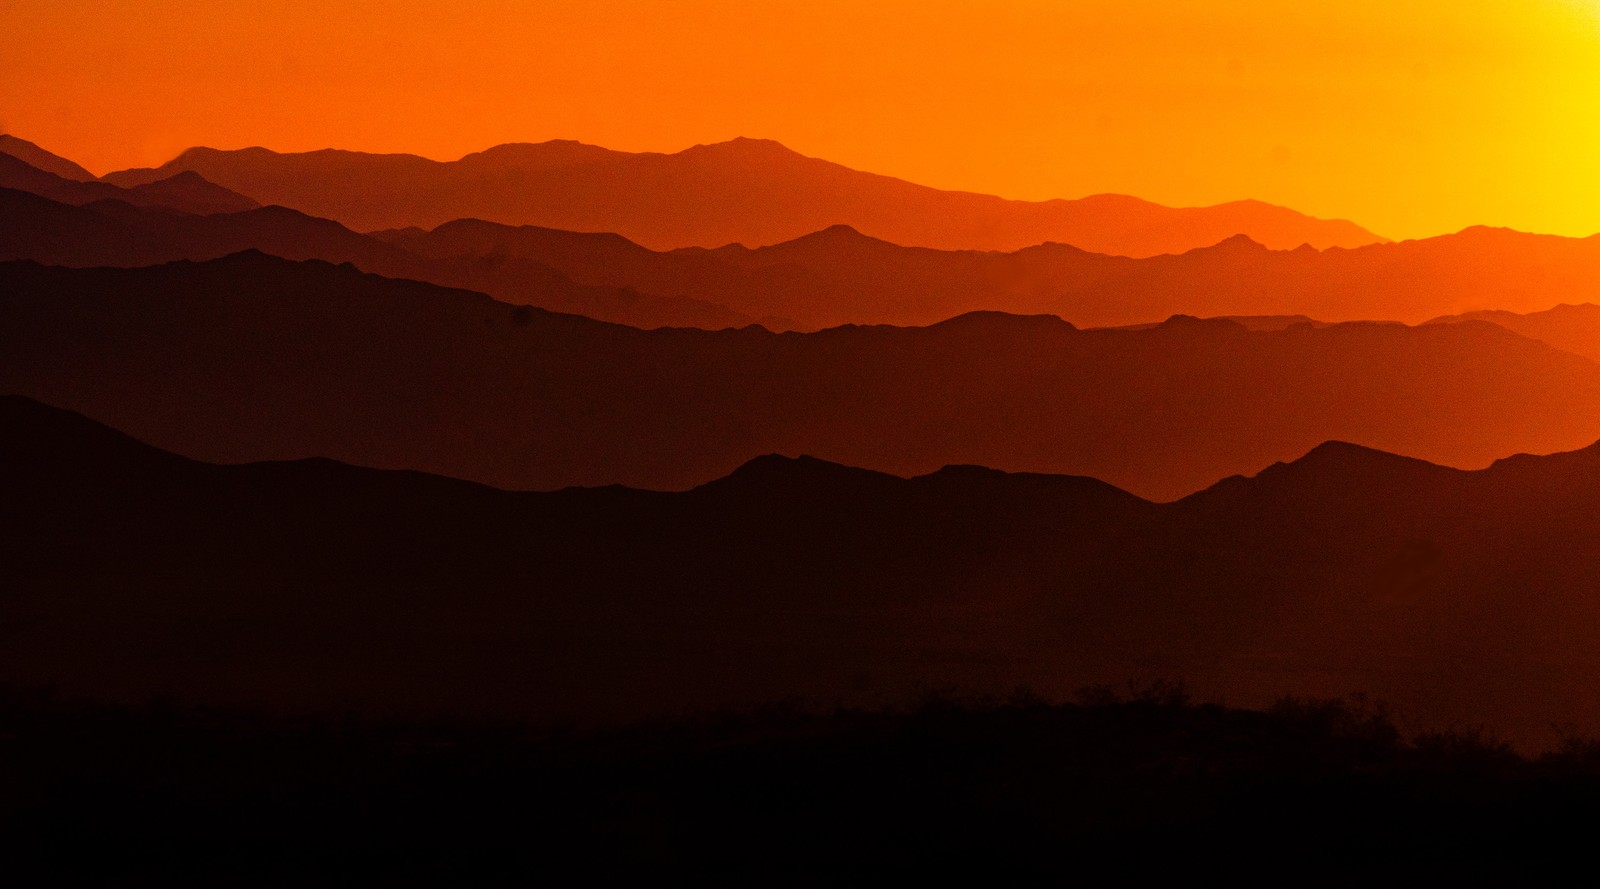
[749, 191]
[1457, 597]
[112, 232]
[251, 357]
[186, 191]
[37, 157]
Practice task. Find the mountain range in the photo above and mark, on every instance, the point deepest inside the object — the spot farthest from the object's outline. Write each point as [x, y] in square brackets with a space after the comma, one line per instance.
[115, 233]
[187, 192]
[1573, 328]
[730, 515]
[749, 191]
[251, 357]
[38, 158]
[1451, 595]
[839, 276]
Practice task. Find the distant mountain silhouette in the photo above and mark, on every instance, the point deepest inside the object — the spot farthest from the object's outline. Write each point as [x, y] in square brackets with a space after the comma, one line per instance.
[251, 357]
[187, 191]
[111, 232]
[749, 191]
[37, 157]
[1573, 328]
[839, 276]
[1456, 596]
[1259, 323]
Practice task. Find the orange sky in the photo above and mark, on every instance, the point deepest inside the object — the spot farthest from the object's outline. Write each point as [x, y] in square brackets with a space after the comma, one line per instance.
[1412, 118]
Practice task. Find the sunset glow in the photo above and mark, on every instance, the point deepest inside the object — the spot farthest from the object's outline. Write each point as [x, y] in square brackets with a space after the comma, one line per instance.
[1412, 119]
[729, 442]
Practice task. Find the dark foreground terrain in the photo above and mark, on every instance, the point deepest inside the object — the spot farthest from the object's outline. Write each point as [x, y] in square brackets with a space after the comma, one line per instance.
[1457, 597]
[244, 594]
[1108, 791]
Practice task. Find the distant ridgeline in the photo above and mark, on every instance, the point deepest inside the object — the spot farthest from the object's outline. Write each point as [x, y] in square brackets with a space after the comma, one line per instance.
[750, 191]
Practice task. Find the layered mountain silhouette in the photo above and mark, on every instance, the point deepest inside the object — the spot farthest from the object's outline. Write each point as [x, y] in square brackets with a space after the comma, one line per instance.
[1574, 328]
[1453, 595]
[113, 232]
[596, 494]
[251, 357]
[748, 191]
[838, 276]
[37, 157]
[188, 192]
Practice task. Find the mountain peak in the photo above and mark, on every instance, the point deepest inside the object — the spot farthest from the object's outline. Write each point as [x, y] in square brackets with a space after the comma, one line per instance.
[840, 229]
[1191, 323]
[1233, 245]
[539, 155]
[37, 157]
[744, 146]
[1342, 458]
[801, 473]
[1332, 468]
[186, 177]
[837, 235]
[990, 320]
[956, 476]
[1112, 200]
[1587, 457]
[1488, 230]
[195, 151]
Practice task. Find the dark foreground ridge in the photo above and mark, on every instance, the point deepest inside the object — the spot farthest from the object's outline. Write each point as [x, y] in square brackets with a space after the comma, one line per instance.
[1107, 791]
[312, 586]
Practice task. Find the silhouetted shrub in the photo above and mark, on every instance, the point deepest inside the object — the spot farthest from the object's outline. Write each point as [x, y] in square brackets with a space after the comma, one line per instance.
[1356, 719]
[1574, 749]
[1473, 746]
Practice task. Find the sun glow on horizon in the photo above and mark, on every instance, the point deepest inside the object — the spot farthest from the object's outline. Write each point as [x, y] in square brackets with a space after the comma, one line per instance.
[1410, 119]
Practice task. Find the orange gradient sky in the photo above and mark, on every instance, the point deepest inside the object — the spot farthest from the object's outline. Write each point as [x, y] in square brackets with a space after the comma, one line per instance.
[1412, 118]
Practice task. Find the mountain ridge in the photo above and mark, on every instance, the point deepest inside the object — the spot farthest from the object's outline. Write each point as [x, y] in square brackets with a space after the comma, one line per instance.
[740, 191]
[866, 587]
[839, 275]
[1572, 327]
[285, 359]
[112, 232]
[39, 158]
[185, 191]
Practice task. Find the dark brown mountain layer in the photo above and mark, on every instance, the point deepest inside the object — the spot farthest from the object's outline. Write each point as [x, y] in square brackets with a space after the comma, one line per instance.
[1458, 597]
[252, 357]
[112, 232]
[186, 191]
